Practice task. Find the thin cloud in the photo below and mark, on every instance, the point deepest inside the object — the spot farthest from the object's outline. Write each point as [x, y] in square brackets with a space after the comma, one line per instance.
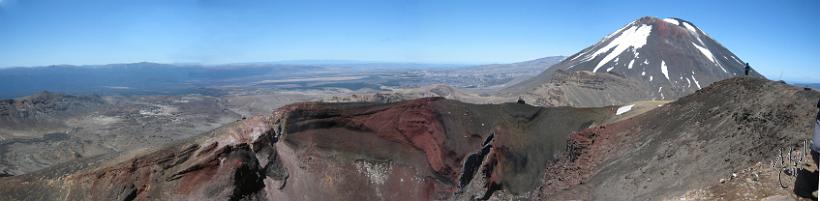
[6, 3]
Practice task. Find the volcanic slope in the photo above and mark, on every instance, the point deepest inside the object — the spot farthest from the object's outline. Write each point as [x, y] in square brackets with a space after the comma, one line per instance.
[49, 128]
[690, 147]
[649, 58]
[424, 149]
[44, 111]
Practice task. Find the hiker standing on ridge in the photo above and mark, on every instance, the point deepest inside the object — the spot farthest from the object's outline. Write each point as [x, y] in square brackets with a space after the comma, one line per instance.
[748, 68]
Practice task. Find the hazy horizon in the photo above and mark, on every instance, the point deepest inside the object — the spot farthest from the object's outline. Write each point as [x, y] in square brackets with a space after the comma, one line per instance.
[775, 37]
[290, 62]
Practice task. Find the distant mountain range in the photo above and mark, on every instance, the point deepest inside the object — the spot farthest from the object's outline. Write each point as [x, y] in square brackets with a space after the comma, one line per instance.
[496, 75]
[370, 64]
[136, 78]
[815, 86]
[147, 78]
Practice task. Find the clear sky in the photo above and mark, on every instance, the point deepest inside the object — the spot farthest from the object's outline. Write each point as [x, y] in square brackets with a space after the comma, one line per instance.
[773, 36]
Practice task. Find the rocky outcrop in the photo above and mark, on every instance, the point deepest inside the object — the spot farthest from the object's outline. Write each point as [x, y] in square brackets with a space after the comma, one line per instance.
[425, 149]
[222, 165]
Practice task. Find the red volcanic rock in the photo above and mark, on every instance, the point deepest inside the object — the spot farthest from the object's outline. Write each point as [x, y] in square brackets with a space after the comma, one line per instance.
[183, 171]
[425, 149]
[585, 151]
[415, 123]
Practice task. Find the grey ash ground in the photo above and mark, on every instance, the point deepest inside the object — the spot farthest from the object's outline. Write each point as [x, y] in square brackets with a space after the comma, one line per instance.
[47, 128]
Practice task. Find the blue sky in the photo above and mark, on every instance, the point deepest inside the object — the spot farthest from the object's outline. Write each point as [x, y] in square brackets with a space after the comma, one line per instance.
[774, 36]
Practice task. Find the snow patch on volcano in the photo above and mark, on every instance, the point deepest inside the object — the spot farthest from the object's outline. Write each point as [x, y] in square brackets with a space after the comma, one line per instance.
[708, 54]
[660, 90]
[705, 52]
[633, 37]
[618, 31]
[688, 83]
[664, 70]
[575, 57]
[624, 109]
[736, 59]
[696, 80]
[690, 27]
[672, 21]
